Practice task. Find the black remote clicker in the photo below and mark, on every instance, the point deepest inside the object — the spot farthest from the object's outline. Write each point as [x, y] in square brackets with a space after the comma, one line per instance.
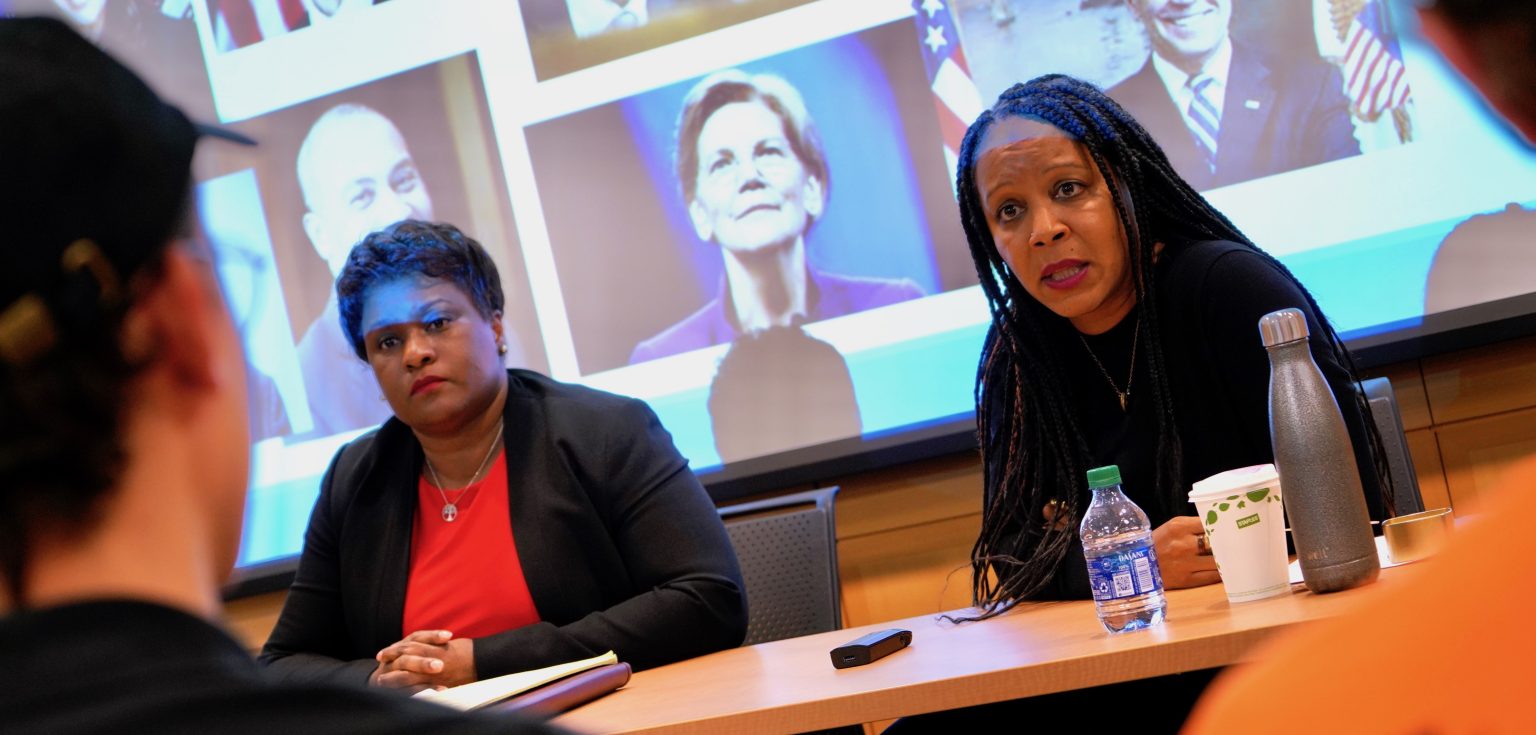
[872, 647]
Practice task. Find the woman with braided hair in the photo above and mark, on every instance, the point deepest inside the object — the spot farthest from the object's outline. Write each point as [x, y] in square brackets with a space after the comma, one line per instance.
[1124, 331]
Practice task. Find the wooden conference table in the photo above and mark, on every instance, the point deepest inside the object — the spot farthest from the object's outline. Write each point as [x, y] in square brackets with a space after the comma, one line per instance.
[1038, 648]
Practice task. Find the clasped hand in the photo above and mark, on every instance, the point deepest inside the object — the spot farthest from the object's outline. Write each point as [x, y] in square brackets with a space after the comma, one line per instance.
[425, 659]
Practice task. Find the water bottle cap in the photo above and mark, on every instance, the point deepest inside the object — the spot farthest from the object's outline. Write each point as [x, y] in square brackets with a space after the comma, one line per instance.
[1280, 327]
[1105, 476]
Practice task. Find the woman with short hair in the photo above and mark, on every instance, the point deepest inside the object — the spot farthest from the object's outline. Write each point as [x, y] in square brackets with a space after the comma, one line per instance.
[501, 521]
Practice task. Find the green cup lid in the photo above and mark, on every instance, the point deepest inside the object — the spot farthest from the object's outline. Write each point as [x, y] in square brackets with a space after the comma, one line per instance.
[1103, 476]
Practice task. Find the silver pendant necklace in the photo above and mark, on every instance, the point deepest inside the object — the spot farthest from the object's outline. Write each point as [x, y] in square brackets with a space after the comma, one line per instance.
[1123, 395]
[451, 507]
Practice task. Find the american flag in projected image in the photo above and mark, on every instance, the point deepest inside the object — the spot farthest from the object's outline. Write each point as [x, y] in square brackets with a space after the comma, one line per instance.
[954, 92]
[1373, 64]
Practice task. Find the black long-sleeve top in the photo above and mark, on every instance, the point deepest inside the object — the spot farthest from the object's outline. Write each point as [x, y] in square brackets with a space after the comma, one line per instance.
[1211, 296]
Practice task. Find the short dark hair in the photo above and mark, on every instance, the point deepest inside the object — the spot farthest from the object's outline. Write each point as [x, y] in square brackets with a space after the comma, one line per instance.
[777, 389]
[731, 86]
[414, 249]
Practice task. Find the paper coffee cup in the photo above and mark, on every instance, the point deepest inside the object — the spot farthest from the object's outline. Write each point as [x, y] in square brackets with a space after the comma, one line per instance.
[1244, 522]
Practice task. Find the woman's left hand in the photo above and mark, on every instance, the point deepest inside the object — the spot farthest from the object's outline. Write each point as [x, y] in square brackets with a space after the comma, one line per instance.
[433, 657]
[1181, 553]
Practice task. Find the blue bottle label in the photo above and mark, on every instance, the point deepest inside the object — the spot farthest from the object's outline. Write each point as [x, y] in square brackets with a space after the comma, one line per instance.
[1124, 573]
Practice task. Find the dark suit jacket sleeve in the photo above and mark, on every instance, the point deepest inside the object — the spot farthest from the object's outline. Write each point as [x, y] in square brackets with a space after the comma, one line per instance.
[690, 598]
[1240, 287]
[310, 640]
[1330, 132]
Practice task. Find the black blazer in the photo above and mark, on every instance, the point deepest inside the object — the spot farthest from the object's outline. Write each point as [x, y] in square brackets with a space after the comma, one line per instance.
[1278, 116]
[620, 545]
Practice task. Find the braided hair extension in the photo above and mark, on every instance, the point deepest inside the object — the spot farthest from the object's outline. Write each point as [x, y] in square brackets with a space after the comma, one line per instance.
[1032, 446]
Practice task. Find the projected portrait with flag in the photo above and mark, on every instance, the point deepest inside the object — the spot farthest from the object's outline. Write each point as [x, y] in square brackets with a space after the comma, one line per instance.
[1356, 36]
[754, 176]
[1233, 90]
[768, 193]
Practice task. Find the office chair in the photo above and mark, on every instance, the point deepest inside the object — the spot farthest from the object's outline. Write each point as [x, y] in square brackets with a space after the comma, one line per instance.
[787, 547]
[1389, 423]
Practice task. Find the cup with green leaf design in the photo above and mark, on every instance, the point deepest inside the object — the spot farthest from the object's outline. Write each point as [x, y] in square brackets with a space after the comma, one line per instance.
[1244, 523]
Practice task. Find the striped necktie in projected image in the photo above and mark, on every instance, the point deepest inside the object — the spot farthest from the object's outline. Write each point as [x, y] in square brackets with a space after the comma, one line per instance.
[1204, 117]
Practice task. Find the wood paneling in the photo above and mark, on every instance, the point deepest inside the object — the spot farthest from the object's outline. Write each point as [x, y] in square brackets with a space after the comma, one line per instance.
[1426, 464]
[1476, 453]
[1408, 385]
[1481, 382]
[910, 495]
[909, 571]
[251, 619]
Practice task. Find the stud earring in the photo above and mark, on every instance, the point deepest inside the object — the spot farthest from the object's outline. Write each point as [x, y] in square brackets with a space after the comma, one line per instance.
[501, 348]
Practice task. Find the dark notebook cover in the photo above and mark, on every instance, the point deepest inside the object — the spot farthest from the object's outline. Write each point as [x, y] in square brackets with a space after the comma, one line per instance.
[568, 693]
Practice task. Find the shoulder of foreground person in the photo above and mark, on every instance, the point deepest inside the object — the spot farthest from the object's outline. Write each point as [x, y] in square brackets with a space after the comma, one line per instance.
[1442, 645]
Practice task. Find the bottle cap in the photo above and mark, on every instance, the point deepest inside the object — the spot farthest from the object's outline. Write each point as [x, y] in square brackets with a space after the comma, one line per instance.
[1103, 476]
[1280, 327]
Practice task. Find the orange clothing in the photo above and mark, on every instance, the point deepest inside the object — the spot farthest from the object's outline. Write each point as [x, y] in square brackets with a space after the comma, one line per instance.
[1448, 647]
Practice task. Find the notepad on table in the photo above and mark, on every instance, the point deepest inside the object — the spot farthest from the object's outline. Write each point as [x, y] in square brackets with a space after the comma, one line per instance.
[489, 691]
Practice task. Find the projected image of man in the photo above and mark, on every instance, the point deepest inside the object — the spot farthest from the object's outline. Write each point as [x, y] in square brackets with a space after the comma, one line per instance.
[357, 175]
[755, 180]
[1226, 112]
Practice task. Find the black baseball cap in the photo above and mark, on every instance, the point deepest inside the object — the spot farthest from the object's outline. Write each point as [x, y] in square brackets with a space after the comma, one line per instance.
[88, 152]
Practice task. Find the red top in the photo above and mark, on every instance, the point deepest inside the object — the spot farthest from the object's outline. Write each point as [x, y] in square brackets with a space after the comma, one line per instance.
[465, 575]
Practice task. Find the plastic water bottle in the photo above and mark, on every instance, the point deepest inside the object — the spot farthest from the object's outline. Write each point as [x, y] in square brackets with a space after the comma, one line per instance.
[1321, 483]
[1122, 564]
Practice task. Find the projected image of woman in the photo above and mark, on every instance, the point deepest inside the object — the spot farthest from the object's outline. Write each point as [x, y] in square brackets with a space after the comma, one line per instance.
[754, 178]
[500, 521]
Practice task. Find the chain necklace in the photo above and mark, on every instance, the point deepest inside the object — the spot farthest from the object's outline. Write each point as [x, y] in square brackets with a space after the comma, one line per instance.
[1123, 395]
[451, 507]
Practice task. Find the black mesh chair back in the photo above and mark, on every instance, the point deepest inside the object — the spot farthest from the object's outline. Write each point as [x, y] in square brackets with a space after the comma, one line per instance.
[787, 547]
[1389, 423]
